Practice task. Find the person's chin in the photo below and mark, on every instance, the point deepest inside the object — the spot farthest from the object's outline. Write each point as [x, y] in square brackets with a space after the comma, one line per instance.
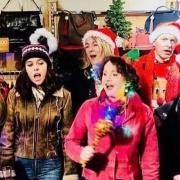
[38, 83]
[111, 95]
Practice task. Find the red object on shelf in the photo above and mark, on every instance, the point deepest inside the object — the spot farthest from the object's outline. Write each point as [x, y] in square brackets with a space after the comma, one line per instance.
[140, 39]
[71, 47]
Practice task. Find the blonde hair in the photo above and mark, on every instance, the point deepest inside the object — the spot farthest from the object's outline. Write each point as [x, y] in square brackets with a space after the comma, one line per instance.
[105, 48]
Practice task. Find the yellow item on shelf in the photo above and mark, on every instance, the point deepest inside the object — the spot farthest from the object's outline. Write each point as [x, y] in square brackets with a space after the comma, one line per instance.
[4, 45]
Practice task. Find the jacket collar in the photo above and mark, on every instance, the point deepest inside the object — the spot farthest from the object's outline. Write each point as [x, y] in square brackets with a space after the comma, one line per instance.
[59, 93]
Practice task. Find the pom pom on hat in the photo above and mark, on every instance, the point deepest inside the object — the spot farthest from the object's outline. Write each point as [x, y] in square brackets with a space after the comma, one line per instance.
[51, 40]
[172, 28]
[106, 34]
[43, 44]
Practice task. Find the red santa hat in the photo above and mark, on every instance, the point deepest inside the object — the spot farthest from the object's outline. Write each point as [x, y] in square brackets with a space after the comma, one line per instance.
[177, 51]
[171, 28]
[107, 35]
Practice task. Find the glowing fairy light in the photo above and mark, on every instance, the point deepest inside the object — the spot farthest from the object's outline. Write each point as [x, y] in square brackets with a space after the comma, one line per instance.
[110, 113]
[131, 92]
[126, 90]
[94, 72]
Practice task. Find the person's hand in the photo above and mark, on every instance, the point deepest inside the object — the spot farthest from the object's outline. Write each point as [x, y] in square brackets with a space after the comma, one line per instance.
[8, 178]
[87, 153]
[71, 177]
[176, 177]
[7, 173]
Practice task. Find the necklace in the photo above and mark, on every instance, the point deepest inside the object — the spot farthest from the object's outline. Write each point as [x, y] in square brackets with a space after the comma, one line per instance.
[117, 116]
[116, 112]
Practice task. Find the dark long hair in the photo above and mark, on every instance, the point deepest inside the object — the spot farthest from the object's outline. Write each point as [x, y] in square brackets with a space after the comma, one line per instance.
[125, 69]
[24, 84]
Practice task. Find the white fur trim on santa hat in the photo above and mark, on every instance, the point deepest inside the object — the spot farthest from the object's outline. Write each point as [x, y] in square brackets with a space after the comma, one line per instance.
[51, 40]
[168, 29]
[94, 33]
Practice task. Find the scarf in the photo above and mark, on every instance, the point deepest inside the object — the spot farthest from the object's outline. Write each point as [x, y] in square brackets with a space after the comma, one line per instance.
[38, 95]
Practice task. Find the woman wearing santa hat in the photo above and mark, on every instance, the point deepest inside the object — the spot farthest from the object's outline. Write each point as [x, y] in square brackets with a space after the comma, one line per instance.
[97, 44]
[38, 118]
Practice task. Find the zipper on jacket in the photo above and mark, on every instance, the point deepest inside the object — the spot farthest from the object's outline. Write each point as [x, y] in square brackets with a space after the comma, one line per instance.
[35, 129]
[35, 139]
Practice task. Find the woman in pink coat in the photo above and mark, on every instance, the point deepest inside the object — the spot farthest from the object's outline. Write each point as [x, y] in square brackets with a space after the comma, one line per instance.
[128, 150]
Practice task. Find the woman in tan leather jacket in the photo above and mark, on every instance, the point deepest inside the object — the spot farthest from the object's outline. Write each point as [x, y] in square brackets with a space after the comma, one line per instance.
[38, 118]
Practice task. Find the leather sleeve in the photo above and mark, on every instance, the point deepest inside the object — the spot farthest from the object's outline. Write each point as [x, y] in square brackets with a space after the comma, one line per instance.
[70, 167]
[7, 135]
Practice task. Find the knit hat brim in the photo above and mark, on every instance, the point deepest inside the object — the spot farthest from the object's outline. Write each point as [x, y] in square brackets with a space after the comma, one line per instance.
[35, 51]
